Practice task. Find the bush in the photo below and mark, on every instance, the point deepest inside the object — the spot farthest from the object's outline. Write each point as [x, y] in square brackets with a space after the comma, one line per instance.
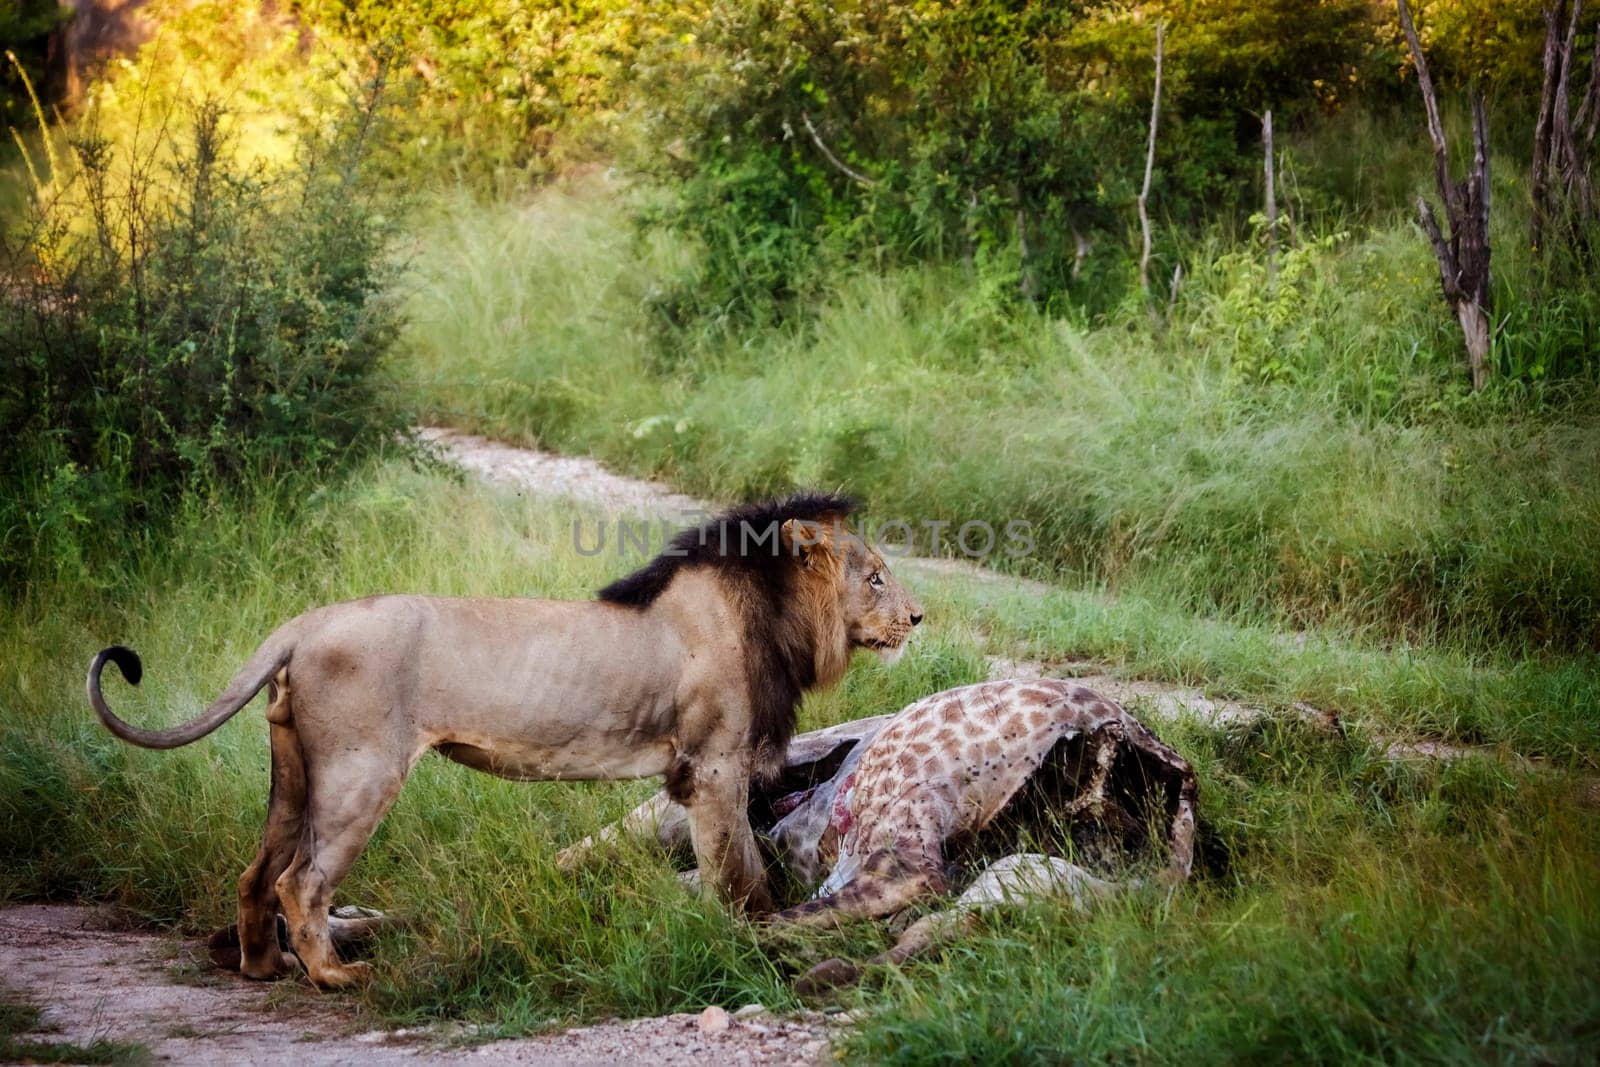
[498, 91]
[1009, 135]
[175, 321]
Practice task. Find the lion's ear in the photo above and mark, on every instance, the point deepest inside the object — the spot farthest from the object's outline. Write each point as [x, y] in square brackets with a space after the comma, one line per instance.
[802, 538]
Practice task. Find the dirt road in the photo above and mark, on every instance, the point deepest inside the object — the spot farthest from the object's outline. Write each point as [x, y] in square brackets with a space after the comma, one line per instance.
[94, 981]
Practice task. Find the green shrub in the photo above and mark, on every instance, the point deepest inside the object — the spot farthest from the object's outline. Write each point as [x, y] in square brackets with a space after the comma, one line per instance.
[175, 320]
[497, 92]
[1003, 134]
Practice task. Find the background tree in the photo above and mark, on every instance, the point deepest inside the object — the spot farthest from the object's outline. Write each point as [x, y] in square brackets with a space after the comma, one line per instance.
[1463, 258]
[1563, 142]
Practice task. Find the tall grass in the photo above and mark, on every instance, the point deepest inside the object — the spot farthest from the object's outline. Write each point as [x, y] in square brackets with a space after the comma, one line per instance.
[1338, 897]
[467, 858]
[1304, 453]
[1384, 940]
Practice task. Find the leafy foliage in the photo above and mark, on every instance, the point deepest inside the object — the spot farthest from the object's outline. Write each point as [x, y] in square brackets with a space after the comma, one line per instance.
[497, 90]
[1495, 43]
[176, 321]
[1005, 133]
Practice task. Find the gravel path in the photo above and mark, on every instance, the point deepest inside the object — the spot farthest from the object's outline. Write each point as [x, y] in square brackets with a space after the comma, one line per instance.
[529, 470]
[95, 981]
[567, 477]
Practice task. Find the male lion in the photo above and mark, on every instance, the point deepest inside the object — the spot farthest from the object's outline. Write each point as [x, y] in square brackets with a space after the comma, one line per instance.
[692, 667]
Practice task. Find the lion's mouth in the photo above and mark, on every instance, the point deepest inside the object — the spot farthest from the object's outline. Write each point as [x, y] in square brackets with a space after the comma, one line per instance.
[888, 652]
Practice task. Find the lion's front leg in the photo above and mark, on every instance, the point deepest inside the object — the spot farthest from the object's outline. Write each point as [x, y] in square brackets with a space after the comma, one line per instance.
[724, 845]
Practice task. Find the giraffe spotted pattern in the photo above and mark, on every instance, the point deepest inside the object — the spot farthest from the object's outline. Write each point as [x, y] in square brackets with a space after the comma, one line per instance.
[944, 767]
[879, 801]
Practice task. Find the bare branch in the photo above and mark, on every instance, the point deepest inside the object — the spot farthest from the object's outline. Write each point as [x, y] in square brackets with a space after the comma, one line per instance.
[1430, 101]
[1539, 181]
[1566, 160]
[1150, 162]
[1583, 135]
[1449, 270]
[1587, 120]
[1272, 200]
[1563, 145]
[1475, 241]
[839, 164]
[1571, 42]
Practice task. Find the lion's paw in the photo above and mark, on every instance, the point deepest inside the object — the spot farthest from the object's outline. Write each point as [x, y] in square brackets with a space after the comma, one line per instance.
[343, 976]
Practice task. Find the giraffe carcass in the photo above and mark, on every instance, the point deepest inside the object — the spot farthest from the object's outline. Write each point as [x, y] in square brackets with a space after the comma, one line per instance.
[1011, 789]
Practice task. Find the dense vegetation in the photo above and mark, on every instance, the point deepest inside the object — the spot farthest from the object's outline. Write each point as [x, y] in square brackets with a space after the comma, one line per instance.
[1347, 905]
[885, 245]
[176, 321]
[1304, 453]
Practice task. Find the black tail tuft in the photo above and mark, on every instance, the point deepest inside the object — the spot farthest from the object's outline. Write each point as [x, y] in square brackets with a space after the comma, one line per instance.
[127, 661]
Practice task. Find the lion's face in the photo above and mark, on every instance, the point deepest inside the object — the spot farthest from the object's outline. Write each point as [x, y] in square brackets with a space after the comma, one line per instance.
[878, 612]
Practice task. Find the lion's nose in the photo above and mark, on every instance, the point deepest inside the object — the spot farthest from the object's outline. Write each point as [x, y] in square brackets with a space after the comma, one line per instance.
[916, 617]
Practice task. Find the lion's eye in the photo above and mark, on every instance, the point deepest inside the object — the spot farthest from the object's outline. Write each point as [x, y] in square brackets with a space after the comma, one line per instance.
[876, 581]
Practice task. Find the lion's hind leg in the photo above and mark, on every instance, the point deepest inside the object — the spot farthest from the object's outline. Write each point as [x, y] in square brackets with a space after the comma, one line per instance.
[259, 954]
[347, 799]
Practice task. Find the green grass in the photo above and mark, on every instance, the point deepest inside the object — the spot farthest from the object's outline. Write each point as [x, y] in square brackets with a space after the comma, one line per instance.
[1277, 493]
[17, 1016]
[19, 1019]
[1295, 457]
[1546, 706]
[1345, 949]
[1344, 907]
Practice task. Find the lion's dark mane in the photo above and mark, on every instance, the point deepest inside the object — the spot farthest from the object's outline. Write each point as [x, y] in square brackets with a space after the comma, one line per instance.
[743, 548]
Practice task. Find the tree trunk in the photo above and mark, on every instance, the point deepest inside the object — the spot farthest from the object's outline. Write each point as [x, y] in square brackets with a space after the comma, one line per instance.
[1080, 251]
[1463, 257]
[1026, 286]
[1477, 331]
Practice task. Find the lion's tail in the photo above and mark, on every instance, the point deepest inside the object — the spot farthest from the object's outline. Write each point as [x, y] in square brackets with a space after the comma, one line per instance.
[268, 660]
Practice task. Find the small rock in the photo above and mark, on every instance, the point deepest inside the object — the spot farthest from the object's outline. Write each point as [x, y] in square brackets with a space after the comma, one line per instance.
[713, 1020]
[749, 1010]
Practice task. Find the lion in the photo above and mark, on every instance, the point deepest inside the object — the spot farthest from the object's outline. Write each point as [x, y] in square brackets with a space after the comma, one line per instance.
[692, 667]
